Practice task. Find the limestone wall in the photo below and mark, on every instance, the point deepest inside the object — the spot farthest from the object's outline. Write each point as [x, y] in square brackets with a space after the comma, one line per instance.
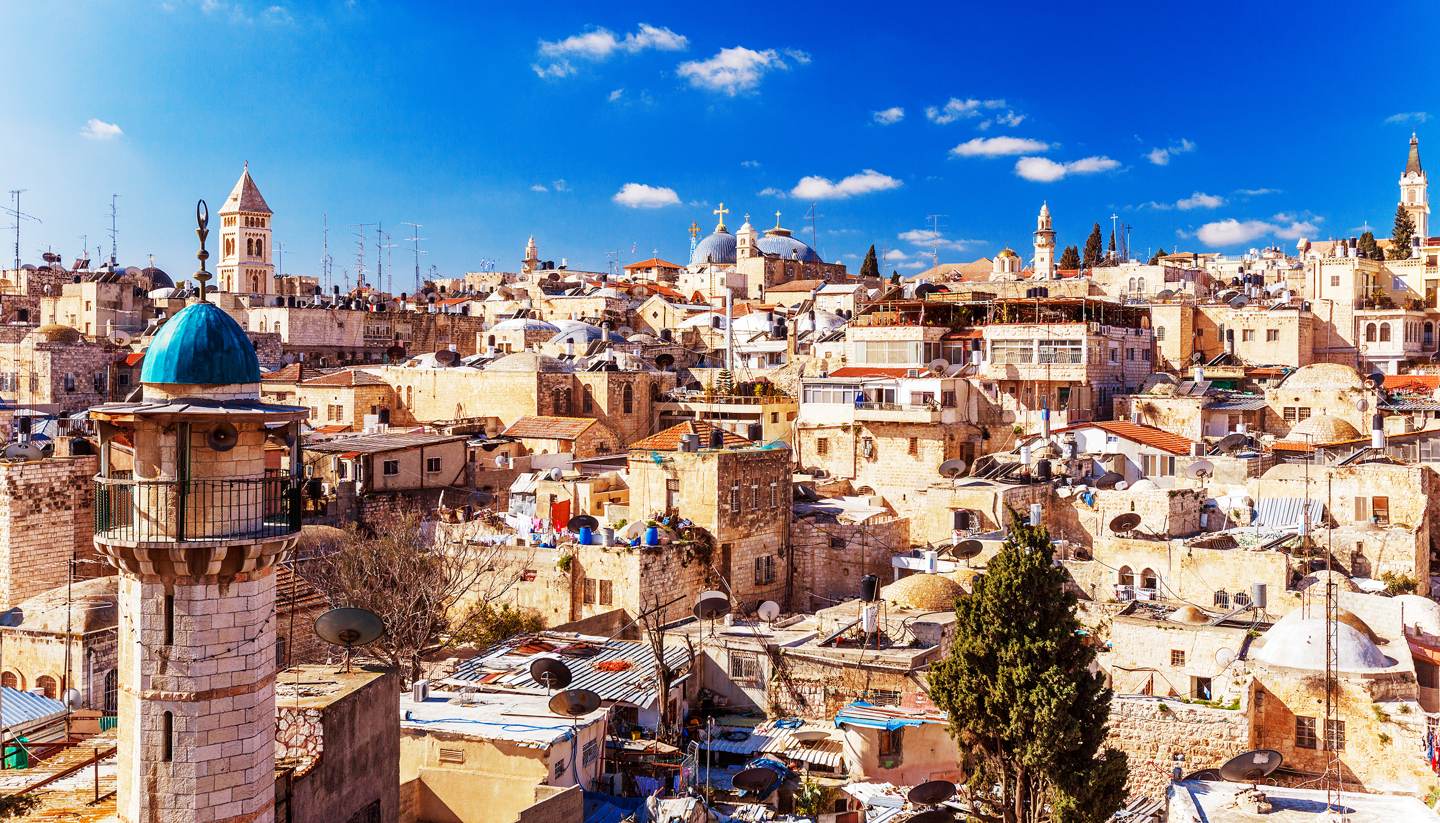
[831, 557]
[1150, 730]
[45, 521]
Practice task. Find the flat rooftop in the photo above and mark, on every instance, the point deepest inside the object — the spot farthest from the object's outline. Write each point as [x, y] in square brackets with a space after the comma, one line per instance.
[518, 718]
[315, 686]
[1214, 802]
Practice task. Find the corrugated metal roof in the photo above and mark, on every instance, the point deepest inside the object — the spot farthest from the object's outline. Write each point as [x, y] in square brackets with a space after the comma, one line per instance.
[375, 443]
[866, 715]
[634, 684]
[1238, 404]
[769, 739]
[19, 708]
[1287, 512]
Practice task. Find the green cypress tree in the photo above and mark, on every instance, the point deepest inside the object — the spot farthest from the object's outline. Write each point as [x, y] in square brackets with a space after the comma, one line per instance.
[1401, 235]
[1069, 259]
[1155, 258]
[871, 266]
[1368, 248]
[1022, 702]
[1093, 247]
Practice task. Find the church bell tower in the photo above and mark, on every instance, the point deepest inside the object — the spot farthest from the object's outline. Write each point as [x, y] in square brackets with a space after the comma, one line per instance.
[1414, 197]
[1044, 245]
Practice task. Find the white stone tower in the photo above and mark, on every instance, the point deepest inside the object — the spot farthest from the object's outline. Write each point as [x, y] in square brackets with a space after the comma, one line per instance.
[195, 529]
[1413, 191]
[745, 240]
[245, 266]
[1044, 245]
[531, 263]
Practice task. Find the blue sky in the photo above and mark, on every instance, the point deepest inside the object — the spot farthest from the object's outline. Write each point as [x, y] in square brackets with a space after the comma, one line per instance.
[610, 127]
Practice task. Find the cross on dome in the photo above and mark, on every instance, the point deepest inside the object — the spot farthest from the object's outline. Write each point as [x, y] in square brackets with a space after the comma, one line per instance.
[720, 213]
[777, 218]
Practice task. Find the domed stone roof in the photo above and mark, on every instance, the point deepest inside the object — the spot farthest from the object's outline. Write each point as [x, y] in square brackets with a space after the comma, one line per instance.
[57, 333]
[524, 324]
[201, 345]
[778, 242]
[527, 361]
[922, 591]
[719, 247]
[92, 607]
[158, 278]
[1323, 429]
[1298, 642]
[1007, 252]
[1323, 376]
[1189, 615]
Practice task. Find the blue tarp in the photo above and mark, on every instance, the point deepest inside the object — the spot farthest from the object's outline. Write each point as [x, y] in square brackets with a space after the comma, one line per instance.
[865, 715]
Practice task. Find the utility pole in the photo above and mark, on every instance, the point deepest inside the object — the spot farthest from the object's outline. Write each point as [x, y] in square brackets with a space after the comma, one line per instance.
[20, 217]
[415, 239]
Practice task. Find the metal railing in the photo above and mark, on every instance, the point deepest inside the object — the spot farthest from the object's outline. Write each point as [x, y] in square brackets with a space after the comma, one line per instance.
[175, 511]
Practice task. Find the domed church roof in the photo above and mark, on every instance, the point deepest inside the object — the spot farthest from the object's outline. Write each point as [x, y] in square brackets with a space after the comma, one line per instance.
[201, 345]
[778, 242]
[719, 247]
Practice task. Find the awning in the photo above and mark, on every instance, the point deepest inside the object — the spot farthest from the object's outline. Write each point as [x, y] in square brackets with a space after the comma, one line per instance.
[865, 715]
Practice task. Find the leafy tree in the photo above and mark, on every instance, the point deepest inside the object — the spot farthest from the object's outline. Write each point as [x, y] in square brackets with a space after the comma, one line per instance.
[490, 625]
[812, 798]
[1070, 258]
[1401, 235]
[1368, 248]
[1111, 247]
[1155, 258]
[894, 278]
[871, 266]
[1093, 247]
[1022, 701]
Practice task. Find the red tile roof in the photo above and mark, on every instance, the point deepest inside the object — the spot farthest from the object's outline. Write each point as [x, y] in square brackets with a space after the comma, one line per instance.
[1413, 383]
[669, 439]
[347, 378]
[288, 374]
[333, 428]
[133, 358]
[1139, 433]
[541, 427]
[869, 371]
[797, 285]
[653, 263]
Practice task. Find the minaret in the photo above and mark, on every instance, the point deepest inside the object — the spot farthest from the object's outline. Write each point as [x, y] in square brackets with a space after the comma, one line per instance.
[745, 240]
[245, 266]
[195, 528]
[1044, 245]
[1413, 195]
[531, 262]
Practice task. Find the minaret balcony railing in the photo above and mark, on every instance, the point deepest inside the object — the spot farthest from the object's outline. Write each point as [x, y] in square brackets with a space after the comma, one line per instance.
[132, 511]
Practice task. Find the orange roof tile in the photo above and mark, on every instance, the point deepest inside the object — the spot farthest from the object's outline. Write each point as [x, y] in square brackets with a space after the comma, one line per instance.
[797, 285]
[134, 358]
[541, 427]
[869, 371]
[289, 374]
[347, 378]
[653, 263]
[669, 439]
[1415, 383]
[1140, 433]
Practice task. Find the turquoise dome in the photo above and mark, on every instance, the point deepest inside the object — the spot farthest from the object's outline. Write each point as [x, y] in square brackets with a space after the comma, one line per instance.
[201, 345]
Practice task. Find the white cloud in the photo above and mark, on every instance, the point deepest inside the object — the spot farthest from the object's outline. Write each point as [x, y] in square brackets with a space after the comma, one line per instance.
[749, 164]
[1232, 232]
[800, 57]
[1256, 192]
[599, 44]
[642, 196]
[97, 129]
[930, 238]
[561, 185]
[1408, 117]
[895, 255]
[734, 70]
[998, 147]
[955, 109]
[815, 187]
[1009, 118]
[1045, 170]
[614, 96]
[539, 187]
[278, 15]
[1200, 200]
[888, 117]
[1161, 156]
[770, 191]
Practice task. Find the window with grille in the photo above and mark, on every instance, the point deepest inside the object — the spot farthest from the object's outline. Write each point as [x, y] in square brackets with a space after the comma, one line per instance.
[735, 498]
[1222, 599]
[1177, 657]
[822, 446]
[590, 590]
[559, 769]
[607, 592]
[885, 697]
[448, 755]
[391, 468]
[774, 494]
[1304, 732]
[1289, 414]
[590, 753]
[745, 669]
[765, 570]
[914, 446]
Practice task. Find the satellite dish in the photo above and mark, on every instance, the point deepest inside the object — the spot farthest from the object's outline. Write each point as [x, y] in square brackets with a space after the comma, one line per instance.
[953, 468]
[582, 521]
[768, 611]
[1232, 442]
[1252, 766]
[445, 358]
[966, 549]
[72, 698]
[1200, 469]
[550, 672]
[1224, 656]
[1375, 379]
[1239, 302]
[120, 338]
[1127, 522]
[809, 735]
[27, 450]
[931, 793]
[1108, 480]
[574, 702]
[938, 366]
[349, 627]
[711, 605]
[755, 779]
[223, 437]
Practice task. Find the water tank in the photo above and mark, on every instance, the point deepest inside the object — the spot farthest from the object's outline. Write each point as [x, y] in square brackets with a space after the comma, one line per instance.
[869, 588]
[717, 438]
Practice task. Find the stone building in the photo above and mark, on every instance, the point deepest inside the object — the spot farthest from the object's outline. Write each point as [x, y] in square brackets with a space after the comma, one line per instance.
[62, 627]
[245, 243]
[55, 369]
[750, 262]
[195, 531]
[46, 511]
[346, 398]
[580, 436]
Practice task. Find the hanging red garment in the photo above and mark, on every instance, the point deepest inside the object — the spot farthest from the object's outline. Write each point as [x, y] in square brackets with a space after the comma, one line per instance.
[559, 514]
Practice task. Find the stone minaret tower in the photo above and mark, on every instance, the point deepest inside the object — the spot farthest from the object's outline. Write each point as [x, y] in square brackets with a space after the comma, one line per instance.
[1044, 245]
[245, 252]
[531, 263]
[195, 530]
[745, 240]
[1413, 194]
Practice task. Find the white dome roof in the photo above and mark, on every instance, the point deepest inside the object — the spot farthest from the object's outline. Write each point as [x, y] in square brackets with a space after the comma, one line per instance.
[755, 321]
[1299, 643]
[704, 320]
[1421, 611]
[524, 324]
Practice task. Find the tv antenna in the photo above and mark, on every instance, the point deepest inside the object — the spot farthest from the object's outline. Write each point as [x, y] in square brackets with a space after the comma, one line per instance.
[20, 217]
[280, 259]
[812, 216]
[935, 237]
[382, 256]
[348, 628]
[114, 232]
[415, 239]
[327, 263]
[359, 235]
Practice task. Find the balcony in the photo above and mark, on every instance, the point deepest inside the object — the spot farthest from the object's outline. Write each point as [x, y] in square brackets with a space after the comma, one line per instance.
[195, 527]
[897, 412]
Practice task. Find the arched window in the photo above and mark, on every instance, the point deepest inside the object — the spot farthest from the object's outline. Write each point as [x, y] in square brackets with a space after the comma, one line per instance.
[45, 684]
[9, 681]
[277, 326]
[1141, 283]
[560, 401]
[490, 341]
[1148, 580]
[1370, 333]
[1222, 599]
[1384, 332]
[259, 247]
[255, 283]
[1127, 576]
[627, 400]
[110, 702]
[1159, 333]
[249, 247]
[1429, 334]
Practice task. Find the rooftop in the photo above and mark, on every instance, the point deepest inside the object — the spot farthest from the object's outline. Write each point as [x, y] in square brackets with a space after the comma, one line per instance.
[344, 377]
[1214, 801]
[315, 686]
[669, 439]
[1138, 433]
[549, 428]
[518, 718]
[376, 443]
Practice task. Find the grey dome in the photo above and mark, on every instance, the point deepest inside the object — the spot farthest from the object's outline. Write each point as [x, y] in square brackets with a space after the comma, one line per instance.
[780, 243]
[719, 247]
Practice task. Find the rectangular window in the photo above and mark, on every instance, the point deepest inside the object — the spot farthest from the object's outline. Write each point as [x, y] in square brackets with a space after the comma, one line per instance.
[822, 446]
[607, 592]
[432, 464]
[745, 669]
[837, 543]
[1380, 510]
[1289, 414]
[1303, 413]
[390, 468]
[774, 494]
[1334, 281]
[336, 412]
[885, 697]
[449, 755]
[914, 446]
[1115, 355]
[765, 570]
[1247, 336]
[1272, 335]
[342, 469]
[1335, 735]
[1200, 688]
[735, 497]
[559, 769]
[891, 742]
[1304, 732]
[590, 588]
[1177, 657]
[590, 753]
[754, 495]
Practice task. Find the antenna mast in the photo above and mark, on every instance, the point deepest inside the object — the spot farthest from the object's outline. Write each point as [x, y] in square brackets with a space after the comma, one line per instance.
[359, 254]
[814, 236]
[20, 217]
[114, 232]
[327, 263]
[935, 237]
[415, 239]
